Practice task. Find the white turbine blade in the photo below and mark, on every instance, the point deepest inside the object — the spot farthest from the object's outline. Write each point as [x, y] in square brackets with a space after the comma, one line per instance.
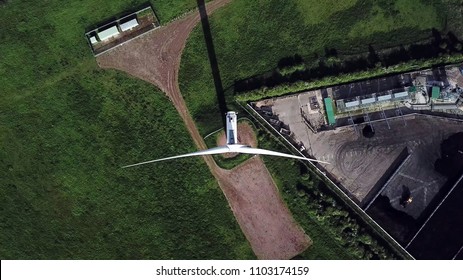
[213, 151]
[255, 151]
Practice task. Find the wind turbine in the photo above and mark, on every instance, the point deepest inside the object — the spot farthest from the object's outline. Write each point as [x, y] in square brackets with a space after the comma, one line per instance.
[232, 146]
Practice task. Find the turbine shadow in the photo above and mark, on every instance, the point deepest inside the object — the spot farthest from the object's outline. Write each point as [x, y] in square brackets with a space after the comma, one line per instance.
[213, 60]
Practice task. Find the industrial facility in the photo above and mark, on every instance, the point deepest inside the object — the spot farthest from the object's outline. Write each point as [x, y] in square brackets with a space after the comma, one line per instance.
[383, 138]
[115, 32]
[431, 91]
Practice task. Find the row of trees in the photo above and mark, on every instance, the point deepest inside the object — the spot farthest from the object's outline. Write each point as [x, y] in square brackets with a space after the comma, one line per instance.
[350, 230]
[294, 69]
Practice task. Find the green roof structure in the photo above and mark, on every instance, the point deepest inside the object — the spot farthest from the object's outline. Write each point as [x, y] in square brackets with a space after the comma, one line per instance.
[330, 111]
[435, 92]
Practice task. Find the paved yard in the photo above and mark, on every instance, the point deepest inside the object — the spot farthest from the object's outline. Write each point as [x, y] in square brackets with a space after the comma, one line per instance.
[358, 163]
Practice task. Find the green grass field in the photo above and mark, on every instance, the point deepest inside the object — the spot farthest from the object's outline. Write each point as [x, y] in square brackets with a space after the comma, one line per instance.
[387, 16]
[66, 128]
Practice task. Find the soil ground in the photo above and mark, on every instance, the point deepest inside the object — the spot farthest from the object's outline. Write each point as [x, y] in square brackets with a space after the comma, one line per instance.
[262, 215]
[265, 219]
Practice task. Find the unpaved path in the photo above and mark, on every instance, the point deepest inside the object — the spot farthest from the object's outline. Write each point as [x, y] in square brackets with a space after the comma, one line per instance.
[262, 215]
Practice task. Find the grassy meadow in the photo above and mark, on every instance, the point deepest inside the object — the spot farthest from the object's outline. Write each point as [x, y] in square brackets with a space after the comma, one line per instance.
[66, 128]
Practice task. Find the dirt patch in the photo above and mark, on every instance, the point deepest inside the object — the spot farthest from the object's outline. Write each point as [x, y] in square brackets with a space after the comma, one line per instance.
[263, 216]
[249, 189]
[246, 136]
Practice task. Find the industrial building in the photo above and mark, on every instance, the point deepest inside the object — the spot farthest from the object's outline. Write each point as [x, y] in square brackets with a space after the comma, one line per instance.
[129, 24]
[411, 92]
[367, 101]
[108, 32]
[93, 39]
[330, 111]
[113, 33]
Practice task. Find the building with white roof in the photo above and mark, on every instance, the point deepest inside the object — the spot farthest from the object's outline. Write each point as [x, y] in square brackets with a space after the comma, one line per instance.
[93, 40]
[129, 25]
[108, 32]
